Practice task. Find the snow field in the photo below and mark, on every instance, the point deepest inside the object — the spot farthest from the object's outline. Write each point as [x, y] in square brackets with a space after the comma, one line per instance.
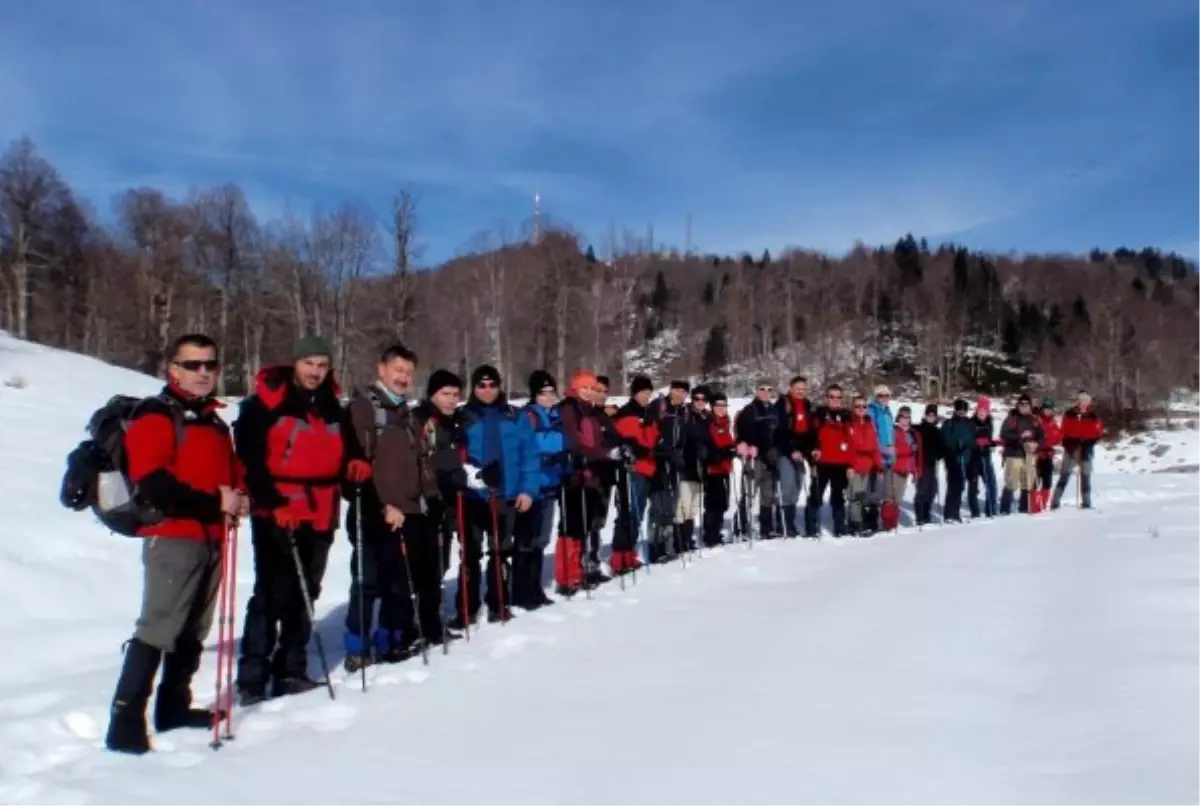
[1033, 659]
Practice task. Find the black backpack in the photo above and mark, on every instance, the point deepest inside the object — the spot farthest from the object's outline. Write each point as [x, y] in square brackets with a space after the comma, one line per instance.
[96, 474]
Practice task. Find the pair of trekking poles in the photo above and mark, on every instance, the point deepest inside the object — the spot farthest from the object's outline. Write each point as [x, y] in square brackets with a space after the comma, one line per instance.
[226, 630]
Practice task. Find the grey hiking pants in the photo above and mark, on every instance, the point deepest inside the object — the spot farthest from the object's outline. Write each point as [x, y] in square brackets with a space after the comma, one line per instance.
[179, 591]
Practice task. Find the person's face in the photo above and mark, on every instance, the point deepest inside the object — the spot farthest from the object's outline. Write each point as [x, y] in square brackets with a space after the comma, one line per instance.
[601, 393]
[765, 393]
[860, 407]
[699, 403]
[931, 417]
[834, 399]
[396, 375]
[546, 397]
[721, 409]
[799, 389]
[904, 421]
[487, 391]
[1084, 403]
[194, 370]
[884, 397]
[446, 399]
[981, 414]
[311, 372]
[643, 397]
[1047, 412]
[678, 396]
[1025, 408]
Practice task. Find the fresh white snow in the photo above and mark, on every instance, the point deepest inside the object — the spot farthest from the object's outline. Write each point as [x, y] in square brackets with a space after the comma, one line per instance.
[1051, 658]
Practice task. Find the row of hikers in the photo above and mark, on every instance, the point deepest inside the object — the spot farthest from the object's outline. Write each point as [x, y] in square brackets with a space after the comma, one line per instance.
[409, 479]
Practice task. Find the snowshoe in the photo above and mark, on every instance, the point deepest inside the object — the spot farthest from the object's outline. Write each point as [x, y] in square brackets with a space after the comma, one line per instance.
[290, 686]
[355, 663]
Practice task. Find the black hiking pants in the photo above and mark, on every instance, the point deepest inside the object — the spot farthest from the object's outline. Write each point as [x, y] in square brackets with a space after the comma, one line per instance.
[278, 624]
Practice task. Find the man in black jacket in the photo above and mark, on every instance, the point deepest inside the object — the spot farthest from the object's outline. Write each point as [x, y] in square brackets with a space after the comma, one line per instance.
[440, 420]
[695, 469]
[671, 415]
[755, 427]
[930, 451]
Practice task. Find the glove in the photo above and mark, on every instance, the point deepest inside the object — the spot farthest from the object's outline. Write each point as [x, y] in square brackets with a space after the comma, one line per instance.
[743, 450]
[475, 479]
[491, 475]
[286, 519]
[616, 454]
[358, 471]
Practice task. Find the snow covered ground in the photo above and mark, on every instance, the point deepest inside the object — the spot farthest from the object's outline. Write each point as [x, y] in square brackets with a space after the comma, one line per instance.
[1051, 658]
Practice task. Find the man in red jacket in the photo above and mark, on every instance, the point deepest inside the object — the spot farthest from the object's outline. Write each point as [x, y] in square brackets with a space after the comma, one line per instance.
[832, 455]
[1052, 438]
[180, 457]
[720, 466]
[866, 460]
[290, 440]
[639, 433]
[1081, 430]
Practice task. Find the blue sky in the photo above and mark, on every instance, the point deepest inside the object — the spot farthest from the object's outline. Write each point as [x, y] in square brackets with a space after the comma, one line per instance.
[1021, 125]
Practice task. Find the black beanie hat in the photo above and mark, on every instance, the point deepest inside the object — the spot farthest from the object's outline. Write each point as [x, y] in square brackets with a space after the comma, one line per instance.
[702, 391]
[440, 379]
[539, 379]
[485, 372]
[717, 397]
[640, 383]
[1024, 399]
[684, 385]
[961, 405]
[931, 408]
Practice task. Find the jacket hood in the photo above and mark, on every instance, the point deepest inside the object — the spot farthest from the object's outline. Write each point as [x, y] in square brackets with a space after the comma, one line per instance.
[271, 385]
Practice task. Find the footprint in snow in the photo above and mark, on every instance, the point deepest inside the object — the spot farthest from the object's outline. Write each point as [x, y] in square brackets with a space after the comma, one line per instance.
[329, 718]
[81, 725]
[30, 705]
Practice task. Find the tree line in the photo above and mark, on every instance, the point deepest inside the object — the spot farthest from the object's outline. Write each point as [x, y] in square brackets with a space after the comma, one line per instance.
[1122, 324]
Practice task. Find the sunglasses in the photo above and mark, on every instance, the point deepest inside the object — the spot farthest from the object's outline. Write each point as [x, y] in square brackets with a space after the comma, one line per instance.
[485, 385]
[834, 397]
[699, 399]
[859, 407]
[549, 390]
[192, 365]
[766, 388]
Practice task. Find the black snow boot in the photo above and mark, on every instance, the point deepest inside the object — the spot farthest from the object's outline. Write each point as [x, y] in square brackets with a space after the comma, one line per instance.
[1023, 502]
[521, 595]
[300, 684]
[687, 538]
[173, 702]
[1006, 500]
[537, 590]
[812, 522]
[127, 721]
[766, 524]
[789, 522]
[251, 694]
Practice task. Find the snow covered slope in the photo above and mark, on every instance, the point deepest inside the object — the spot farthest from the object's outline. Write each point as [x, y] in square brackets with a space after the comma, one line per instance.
[1034, 659]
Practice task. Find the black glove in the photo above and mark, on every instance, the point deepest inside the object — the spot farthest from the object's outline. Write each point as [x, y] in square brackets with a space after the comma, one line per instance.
[640, 451]
[627, 454]
[490, 475]
[457, 479]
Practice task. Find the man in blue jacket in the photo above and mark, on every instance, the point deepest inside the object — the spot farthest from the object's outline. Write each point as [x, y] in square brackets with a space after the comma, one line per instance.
[502, 454]
[880, 412]
[536, 528]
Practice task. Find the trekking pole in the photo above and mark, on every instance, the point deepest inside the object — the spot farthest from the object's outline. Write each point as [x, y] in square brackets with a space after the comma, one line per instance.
[703, 515]
[750, 504]
[628, 524]
[414, 601]
[441, 558]
[497, 558]
[777, 509]
[359, 565]
[311, 611]
[222, 646]
[231, 619]
[463, 571]
[587, 589]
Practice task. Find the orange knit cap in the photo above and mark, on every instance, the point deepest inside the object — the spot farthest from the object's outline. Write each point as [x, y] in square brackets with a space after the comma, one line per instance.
[583, 379]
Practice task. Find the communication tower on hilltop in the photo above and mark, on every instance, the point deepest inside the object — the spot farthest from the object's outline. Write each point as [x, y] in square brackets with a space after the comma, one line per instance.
[537, 216]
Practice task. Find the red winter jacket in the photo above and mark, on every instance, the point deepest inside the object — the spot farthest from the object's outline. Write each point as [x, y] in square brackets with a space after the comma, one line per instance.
[640, 435]
[1081, 430]
[291, 444]
[833, 436]
[865, 455]
[1052, 437]
[720, 434]
[180, 473]
[906, 444]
